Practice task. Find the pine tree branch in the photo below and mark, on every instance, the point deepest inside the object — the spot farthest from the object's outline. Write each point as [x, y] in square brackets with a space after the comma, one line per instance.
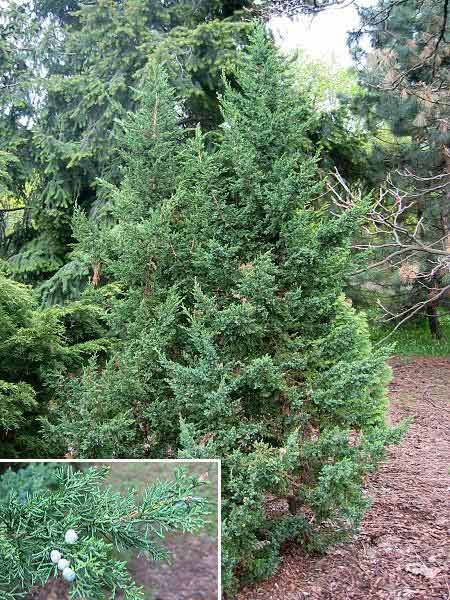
[441, 36]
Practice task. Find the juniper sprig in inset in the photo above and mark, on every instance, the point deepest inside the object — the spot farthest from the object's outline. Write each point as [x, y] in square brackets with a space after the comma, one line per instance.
[77, 529]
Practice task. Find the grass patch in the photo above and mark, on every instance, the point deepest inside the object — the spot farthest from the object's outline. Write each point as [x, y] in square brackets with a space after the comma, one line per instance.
[414, 339]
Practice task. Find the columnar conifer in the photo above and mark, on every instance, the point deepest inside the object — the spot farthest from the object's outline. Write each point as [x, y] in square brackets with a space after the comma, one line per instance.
[235, 339]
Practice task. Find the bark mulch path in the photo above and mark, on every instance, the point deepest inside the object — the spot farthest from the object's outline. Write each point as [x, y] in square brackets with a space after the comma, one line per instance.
[191, 574]
[55, 589]
[402, 550]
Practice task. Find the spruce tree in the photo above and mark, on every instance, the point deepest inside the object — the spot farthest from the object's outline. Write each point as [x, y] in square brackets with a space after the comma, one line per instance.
[75, 529]
[234, 337]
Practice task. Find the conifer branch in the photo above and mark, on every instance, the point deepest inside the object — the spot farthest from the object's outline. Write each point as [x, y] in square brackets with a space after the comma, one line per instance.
[75, 529]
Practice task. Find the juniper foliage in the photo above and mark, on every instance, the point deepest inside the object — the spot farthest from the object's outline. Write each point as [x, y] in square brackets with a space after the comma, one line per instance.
[106, 523]
[36, 477]
[234, 337]
[69, 70]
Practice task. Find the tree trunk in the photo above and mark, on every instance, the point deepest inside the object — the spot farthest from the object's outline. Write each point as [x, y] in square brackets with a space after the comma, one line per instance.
[445, 206]
[432, 309]
[292, 504]
[433, 321]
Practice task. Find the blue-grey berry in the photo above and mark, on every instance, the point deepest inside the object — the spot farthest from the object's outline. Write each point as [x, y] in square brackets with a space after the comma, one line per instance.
[71, 536]
[63, 563]
[55, 556]
[69, 574]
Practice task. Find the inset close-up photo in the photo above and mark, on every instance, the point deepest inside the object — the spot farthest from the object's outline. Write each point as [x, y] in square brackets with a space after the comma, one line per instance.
[125, 530]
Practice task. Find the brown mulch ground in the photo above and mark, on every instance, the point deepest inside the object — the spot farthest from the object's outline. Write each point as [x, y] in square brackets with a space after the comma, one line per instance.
[191, 574]
[403, 548]
[55, 589]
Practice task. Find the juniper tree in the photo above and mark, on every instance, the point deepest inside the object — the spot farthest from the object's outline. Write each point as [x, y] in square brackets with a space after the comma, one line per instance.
[75, 530]
[234, 339]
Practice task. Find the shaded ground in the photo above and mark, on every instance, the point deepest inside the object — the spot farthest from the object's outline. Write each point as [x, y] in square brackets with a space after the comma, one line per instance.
[402, 551]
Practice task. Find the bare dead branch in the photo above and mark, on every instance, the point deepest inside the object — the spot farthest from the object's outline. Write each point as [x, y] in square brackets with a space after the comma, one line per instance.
[387, 230]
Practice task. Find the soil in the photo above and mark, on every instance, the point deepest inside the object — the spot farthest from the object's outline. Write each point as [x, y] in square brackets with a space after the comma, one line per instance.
[402, 550]
[55, 589]
[191, 574]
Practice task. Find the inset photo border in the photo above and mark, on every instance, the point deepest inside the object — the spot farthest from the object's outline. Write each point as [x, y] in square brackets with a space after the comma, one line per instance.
[119, 529]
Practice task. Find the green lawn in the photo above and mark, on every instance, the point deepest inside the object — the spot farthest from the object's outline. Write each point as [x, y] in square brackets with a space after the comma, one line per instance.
[414, 338]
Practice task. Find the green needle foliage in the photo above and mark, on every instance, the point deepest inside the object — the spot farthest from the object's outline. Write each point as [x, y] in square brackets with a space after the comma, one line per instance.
[35, 478]
[234, 339]
[36, 346]
[407, 107]
[106, 523]
[69, 70]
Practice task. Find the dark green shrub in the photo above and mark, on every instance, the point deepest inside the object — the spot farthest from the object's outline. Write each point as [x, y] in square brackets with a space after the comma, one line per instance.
[38, 347]
[235, 338]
